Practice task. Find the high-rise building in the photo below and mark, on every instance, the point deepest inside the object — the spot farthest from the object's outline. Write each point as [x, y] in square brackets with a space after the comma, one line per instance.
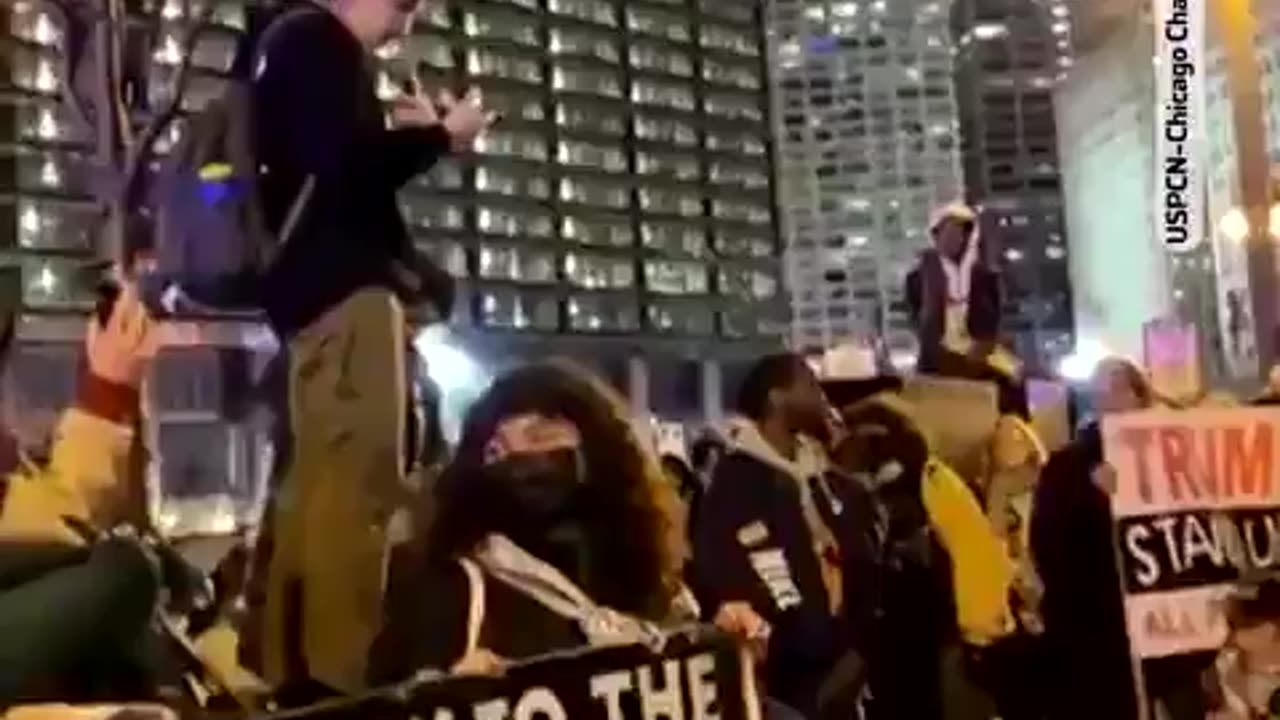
[1106, 123]
[621, 213]
[1009, 55]
[865, 120]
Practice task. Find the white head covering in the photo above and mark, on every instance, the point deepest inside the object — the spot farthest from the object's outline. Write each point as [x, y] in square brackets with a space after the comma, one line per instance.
[958, 274]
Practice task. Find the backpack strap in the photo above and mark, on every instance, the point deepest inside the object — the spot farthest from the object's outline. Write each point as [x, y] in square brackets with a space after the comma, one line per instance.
[258, 65]
[476, 604]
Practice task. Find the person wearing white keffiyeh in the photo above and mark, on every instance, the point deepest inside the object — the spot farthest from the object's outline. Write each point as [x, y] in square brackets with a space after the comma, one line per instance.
[955, 305]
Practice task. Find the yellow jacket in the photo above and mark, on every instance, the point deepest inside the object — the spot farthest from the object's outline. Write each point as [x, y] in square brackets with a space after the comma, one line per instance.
[83, 479]
[981, 572]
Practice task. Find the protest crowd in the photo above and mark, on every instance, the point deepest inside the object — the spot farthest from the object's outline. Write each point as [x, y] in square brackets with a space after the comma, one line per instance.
[827, 552]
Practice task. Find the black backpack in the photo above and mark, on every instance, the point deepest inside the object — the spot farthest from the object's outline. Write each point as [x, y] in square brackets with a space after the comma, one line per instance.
[212, 243]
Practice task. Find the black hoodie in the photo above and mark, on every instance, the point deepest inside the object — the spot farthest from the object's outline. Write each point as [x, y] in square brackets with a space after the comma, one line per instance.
[753, 544]
[1072, 533]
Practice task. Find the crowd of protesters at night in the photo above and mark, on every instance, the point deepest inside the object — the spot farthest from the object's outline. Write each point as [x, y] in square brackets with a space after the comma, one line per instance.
[867, 574]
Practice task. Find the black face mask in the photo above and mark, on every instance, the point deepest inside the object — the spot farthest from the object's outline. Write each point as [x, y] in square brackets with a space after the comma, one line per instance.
[534, 490]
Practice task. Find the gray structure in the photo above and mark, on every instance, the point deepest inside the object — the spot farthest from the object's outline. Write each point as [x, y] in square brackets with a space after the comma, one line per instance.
[1009, 56]
[867, 147]
[622, 214]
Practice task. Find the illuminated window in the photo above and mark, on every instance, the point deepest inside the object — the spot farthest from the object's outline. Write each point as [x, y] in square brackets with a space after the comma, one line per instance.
[576, 152]
[671, 95]
[652, 57]
[599, 230]
[743, 211]
[657, 22]
[674, 238]
[597, 11]
[680, 167]
[519, 310]
[585, 42]
[739, 143]
[513, 144]
[605, 312]
[665, 130]
[595, 191]
[587, 80]
[674, 202]
[489, 62]
[599, 272]
[723, 73]
[517, 264]
[734, 106]
[747, 283]
[675, 277]
[718, 37]
[681, 318]
[504, 182]
[496, 221]
[734, 242]
[752, 177]
[512, 27]
[591, 118]
[430, 213]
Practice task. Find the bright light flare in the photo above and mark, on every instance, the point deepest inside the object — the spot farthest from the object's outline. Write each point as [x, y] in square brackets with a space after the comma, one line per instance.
[1079, 365]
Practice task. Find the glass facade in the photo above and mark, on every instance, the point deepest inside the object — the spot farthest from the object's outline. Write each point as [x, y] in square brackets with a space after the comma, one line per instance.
[865, 118]
[633, 157]
[623, 207]
[1010, 55]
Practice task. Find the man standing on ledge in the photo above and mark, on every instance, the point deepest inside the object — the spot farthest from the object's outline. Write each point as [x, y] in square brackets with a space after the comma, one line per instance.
[333, 163]
[954, 300]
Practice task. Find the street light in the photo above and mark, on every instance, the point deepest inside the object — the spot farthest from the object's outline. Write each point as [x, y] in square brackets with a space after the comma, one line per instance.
[1234, 225]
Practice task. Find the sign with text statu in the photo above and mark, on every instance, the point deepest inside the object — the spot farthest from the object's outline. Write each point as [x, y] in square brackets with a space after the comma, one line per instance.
[1197, 498]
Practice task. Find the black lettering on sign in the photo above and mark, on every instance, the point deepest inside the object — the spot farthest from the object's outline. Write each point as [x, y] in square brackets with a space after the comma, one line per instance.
[1181, 550]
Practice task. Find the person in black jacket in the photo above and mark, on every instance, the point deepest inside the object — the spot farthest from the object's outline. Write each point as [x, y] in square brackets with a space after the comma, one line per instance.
[1072, 530]
[333, 162]
[549, 485]
[769, 534]
[954, 301]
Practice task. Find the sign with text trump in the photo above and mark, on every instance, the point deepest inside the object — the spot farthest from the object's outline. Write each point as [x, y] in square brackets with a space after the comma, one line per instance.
[1197, 500]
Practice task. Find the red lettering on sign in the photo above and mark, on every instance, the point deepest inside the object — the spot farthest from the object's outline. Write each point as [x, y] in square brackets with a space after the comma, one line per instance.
[1247, 462]
[1137, 439]
[1176, 451]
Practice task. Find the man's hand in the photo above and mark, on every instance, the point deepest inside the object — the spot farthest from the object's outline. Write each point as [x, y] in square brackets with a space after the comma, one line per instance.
[741, 621]
[414, 109]
[121, 350]
[465, 118]
[1106, 479]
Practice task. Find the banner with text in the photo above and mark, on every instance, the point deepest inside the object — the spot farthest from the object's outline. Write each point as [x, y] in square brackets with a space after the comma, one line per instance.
[1196, 499]
[696, 678]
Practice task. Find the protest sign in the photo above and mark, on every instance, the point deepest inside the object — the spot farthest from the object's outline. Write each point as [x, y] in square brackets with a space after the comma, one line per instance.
[1171, 354]
[958, 415]
[704, 676]
[1196, 501]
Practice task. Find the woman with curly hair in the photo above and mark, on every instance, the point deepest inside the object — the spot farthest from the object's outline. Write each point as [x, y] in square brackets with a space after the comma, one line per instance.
[553, 529]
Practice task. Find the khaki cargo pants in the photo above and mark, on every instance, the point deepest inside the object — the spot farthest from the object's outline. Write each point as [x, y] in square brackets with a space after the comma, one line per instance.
[345, 479]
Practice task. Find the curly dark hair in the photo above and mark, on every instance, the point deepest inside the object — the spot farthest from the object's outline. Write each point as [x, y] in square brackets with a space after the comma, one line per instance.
[636, 545]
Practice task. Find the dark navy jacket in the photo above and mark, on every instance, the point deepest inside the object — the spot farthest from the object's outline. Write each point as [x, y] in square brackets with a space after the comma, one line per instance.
[753, 544]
